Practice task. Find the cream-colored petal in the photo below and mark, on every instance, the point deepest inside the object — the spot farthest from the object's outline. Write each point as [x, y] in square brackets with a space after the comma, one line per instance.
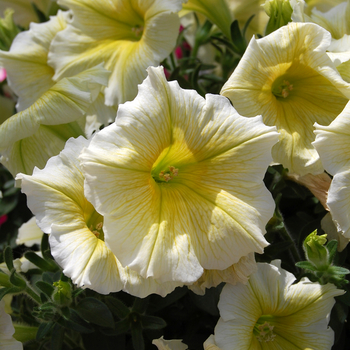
[209, 344]
[333, 142]
[29, 233]
[7, 330]
[26, 62]
[98, 114]
[174, 344]
[317, 92]
[32, 136]
[85, 258]
[56, 196]
[204, 218]
[126, 36]
[333, 231]
[336, 20]
[339, 201]
[298, 313]
[237, 273]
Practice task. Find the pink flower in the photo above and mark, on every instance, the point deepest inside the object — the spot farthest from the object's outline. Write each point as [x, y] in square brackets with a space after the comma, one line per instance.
[2, 74]
[3, 219]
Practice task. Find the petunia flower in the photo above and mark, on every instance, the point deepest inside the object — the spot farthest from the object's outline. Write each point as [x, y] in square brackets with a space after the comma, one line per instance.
[26, 62]
[271, 312]
[127, 36]
[178, 179]
[29, 233]
[56, 196]
[336, 21]
[289, 79]
[31, 137]
[7, 330]
[332, 143]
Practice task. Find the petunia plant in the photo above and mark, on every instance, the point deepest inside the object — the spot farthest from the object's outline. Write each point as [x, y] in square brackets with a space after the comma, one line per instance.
[174, 174]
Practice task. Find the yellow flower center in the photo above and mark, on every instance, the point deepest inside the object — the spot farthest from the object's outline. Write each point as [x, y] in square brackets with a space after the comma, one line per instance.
[95, 225]
[282, 88]
[137, 30]
[167, 175]
[263, 330]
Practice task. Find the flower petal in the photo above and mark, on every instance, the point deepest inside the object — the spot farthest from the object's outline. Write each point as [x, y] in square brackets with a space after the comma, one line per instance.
[205, 217]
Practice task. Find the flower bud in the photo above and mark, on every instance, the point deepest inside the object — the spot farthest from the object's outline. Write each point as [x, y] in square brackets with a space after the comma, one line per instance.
[63, 293]
[280, 12]
[315, 251]
[8, 30]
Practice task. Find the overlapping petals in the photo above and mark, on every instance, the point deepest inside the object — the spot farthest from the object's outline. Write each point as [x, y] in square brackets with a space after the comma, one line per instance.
[26, 62]
[7, 330]
[178, 179]
[271, 312]
[31, 137]
[127, 36]
[333, 144]
[289, 79]
[56, 195]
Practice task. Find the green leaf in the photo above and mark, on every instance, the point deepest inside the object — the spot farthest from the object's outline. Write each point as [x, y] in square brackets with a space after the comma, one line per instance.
[332, 249]
[122, 326]
[117, 307]
[136, 336]
[43, 330]
[45, 287]
[57, 337]
[152, 322]
[306, 265]
[75, 322]
[95, 311]
[9, 290]
[8, 258]
[40, 262]
[140, 305]
[17, 280]
[337, 270]
[239, 42]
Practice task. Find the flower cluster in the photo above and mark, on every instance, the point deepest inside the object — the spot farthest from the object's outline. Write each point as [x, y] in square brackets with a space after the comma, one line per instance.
[158, 158]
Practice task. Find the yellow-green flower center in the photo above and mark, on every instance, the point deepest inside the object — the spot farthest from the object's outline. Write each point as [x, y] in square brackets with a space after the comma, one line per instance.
[263, 329]
[137, 30]
[166, 175]
[282, 88]
[95, 225]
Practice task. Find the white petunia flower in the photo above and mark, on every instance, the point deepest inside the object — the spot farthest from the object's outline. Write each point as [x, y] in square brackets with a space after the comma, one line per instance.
[31, 137]
[178, 179]
[56, 197]
[288, 77]
[271, 312]
[127, 36]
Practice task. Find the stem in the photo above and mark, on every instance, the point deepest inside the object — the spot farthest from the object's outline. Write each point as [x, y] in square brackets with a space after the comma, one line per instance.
[33, 294]
[293, 250]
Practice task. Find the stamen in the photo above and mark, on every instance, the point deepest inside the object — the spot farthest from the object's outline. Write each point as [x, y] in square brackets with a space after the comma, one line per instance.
[264, 332]
[169, 175]
[137, 30]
